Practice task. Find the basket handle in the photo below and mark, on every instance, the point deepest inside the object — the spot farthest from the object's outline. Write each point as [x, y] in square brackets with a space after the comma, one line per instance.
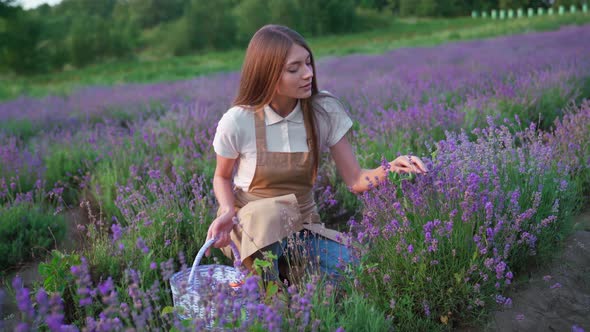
[202, 251]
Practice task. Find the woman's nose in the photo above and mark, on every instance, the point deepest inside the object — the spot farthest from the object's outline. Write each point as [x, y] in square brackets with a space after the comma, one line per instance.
[308, 72]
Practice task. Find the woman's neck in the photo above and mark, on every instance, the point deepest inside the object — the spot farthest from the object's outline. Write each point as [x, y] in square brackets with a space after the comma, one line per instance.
[283, 105]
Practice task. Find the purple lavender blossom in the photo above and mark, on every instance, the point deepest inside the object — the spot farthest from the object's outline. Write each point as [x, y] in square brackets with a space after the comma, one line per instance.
[23, 300]
[141, 245]
[577, 328]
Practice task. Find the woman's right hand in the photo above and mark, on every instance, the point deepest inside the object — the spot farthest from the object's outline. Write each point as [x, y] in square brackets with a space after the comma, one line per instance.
[220, 229]
[408, 164]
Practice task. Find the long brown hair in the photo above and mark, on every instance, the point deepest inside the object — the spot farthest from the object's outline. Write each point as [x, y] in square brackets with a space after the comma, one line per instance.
[262, 69]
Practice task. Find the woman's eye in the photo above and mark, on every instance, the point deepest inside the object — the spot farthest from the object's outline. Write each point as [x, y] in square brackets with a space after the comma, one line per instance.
[292, 71]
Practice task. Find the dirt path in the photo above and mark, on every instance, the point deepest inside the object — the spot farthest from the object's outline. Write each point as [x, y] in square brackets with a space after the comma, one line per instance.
[557, 297]
[29, 272]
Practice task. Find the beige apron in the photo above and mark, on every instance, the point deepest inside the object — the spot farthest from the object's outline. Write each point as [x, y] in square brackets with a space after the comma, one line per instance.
[279, 201]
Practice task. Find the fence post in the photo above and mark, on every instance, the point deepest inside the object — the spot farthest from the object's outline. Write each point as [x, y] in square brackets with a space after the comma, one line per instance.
[540, 11]
[473, 14]
[550, 11]
[572, 9]
[530, 12]
[484, 14]
[494, 14]
[519, 12]
[502, 14]
[510, 13]
[585, 8]
[561, 10]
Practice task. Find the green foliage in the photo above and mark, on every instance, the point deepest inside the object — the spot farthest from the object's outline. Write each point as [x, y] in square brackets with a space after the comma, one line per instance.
[265, 267]
[105, 259]
[513, 4]
[428, 8]
[207, 25]
[553, 201]
[27, 232]
[67, 165]
[56, 272]
[58, 278]
[568, 3]
[8, 8]
[343, 306]
[372, 20]
[433, 8]
[123, 38]
[543, 112]
[21, 128]
[378, 4]
[82, 32]
[339, 15]
[86, 36]
[359, 314]
[20, 37]
[101, 8]
[285, 12]
[149, 13]
[326, 17]
[106, 176]
[251, 15]
[92, 38]
[152, 211]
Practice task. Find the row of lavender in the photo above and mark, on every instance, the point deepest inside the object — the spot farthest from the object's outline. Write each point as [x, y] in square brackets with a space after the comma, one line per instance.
[476, 74]
[442, 245]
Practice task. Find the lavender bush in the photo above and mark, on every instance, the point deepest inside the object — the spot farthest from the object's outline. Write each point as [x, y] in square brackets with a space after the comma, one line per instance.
[460, 232]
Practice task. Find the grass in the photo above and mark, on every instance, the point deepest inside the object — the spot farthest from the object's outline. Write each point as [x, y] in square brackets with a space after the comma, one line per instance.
[147, 68]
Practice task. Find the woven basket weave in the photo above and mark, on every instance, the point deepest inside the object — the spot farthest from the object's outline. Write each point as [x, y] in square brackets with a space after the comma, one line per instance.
[192, 289]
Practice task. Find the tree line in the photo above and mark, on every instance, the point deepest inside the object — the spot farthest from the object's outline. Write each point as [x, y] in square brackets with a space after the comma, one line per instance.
[80, 32]
[451, 8]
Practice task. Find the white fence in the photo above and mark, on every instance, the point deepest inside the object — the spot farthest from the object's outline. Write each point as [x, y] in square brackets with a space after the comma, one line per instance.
[530, 12]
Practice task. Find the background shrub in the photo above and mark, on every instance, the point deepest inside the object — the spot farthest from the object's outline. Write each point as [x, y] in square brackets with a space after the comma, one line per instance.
[27, 232]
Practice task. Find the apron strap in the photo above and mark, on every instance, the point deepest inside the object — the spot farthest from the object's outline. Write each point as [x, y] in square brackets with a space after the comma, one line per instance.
[260, 127]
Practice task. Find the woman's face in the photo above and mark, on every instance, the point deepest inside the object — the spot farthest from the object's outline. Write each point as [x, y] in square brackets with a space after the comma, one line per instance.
[297, 74]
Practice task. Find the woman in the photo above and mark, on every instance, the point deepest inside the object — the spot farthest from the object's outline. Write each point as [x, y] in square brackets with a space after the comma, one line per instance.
[273, 135]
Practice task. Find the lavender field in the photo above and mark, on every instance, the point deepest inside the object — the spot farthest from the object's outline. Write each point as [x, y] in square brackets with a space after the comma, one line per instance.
[504, 125]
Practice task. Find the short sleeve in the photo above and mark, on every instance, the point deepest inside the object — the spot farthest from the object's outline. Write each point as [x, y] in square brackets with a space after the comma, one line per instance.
[337, 124]
[226, 140]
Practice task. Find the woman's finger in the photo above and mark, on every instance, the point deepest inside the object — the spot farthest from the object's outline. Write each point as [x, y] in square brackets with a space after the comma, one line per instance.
[209, 236]
[222, 240]
[420, 165]
[403, 163]
[409, 164]
[416, 167]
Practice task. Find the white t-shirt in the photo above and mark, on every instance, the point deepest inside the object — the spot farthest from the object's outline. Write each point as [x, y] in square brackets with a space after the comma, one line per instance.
[236, 138]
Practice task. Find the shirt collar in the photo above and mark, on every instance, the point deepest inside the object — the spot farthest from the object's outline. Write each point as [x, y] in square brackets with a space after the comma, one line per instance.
[271, 117]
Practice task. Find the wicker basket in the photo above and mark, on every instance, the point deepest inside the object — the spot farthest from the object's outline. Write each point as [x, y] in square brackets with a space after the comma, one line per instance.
[191, 290]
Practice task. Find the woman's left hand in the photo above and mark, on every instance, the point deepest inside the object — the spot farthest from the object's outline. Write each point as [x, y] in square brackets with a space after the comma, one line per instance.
[408, 164]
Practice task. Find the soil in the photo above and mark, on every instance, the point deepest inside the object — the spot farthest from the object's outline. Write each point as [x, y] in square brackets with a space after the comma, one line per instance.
[29, 272]
[555, 297]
